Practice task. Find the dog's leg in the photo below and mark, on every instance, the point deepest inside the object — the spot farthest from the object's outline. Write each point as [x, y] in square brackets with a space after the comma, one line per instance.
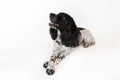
[87, 37]
[63, 53]
[50, 65]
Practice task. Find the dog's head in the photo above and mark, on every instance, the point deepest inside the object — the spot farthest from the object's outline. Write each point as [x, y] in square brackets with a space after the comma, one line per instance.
[62, 21]
[65, 24]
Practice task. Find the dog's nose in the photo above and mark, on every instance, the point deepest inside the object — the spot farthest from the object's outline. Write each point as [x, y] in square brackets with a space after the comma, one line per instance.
[52, 17]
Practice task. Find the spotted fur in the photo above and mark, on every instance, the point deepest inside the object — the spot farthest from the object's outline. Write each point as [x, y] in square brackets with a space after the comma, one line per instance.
[66, 36]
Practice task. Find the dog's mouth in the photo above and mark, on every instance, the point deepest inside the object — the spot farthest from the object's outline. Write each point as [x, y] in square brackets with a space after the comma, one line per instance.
[53, 24]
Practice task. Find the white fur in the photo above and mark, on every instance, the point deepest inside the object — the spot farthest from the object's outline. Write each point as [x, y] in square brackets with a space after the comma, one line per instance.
[87, 38]
[59, 51]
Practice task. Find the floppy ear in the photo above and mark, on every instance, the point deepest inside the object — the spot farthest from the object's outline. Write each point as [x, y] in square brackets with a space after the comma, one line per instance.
[69, 36]
[67, 32]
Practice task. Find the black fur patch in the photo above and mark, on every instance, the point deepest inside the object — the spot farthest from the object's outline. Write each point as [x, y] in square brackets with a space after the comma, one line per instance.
[53, 33]
[70, 38]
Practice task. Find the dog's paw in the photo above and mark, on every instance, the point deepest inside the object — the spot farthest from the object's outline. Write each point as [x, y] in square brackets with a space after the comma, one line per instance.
[88, 39]
[50, 71]
[45, 65]
[88, 43]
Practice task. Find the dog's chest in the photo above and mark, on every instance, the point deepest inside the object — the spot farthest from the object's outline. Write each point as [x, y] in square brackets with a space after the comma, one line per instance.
[58, 40]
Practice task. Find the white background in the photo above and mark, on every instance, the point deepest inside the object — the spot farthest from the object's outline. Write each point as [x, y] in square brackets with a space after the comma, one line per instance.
[25, 43]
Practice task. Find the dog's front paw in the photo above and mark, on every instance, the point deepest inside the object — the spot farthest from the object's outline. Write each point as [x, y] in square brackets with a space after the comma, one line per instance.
[45, 65]
[50, 71]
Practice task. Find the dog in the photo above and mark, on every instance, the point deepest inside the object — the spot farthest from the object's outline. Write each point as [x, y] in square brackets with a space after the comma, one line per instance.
[66, 36]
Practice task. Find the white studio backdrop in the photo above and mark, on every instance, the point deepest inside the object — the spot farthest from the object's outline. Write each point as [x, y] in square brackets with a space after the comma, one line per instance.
[25, 42]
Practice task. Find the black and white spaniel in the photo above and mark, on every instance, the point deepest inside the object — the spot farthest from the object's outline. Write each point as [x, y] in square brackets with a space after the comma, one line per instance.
[66, 36]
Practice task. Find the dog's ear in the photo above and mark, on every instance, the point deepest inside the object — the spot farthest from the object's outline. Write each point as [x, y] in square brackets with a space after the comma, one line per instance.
[69, 31]
[69, 36]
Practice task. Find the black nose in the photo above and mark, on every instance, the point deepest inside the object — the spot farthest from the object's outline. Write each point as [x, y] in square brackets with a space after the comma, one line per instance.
[52, 17]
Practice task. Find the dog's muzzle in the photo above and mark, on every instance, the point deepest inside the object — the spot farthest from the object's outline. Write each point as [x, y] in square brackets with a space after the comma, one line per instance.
[53, 25]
